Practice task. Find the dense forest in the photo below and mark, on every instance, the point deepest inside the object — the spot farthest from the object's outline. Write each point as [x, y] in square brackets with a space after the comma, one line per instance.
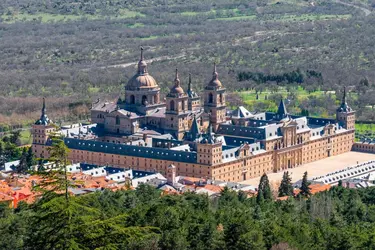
[143, 219]
[75, 51]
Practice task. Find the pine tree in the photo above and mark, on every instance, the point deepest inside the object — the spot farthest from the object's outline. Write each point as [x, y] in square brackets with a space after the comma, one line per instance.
[264, 189]
[30, 161]
[22, 166]
[2, 155]
[305, 186]
[286, 188]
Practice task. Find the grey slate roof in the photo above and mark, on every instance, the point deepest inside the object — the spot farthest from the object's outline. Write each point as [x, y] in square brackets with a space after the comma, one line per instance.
[129, 150]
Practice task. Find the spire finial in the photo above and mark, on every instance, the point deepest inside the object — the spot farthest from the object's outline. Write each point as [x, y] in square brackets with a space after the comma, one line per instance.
[44, 106]
[344, 96]
[142, 65]
[189, 85]
[177, 80]
[215, 74]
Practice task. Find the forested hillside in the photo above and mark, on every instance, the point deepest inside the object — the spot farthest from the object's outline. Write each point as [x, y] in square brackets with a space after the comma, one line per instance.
[142, 219]
[70, 51]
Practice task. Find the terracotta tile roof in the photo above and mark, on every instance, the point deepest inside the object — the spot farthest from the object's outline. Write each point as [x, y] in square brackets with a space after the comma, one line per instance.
[283, 198]
[213, 188]
[314, 188]
[5, 198]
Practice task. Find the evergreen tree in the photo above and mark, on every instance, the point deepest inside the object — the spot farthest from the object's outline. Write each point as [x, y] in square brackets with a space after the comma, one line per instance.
[264, 189]
[286, 188]
[30, 161]
[305, 189]
[2, 155]
[22, 167]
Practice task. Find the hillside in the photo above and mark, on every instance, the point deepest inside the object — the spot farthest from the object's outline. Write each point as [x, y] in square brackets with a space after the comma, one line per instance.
[72, 52]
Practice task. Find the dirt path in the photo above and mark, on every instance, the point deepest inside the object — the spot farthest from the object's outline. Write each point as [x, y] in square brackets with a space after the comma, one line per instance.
[161, 58]
[366, 11]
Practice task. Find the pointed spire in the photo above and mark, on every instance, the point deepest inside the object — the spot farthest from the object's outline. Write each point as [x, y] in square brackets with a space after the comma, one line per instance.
[177, 79]
[344, 96]
[344, 107]
[194, 129]
[44, 107]
[44, 120]
[281, 111]
[189, 84]
[141, 53]
[215, 75]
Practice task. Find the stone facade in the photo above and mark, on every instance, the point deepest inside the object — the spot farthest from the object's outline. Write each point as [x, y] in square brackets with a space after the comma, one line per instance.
[143, 133]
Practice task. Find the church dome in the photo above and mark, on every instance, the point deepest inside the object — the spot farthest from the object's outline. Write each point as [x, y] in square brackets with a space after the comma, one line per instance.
[215, 82]
[177, 89]
[142, 79]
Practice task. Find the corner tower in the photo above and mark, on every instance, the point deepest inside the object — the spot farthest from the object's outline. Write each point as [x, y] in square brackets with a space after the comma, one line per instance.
[214, 100]
[142, 93]
[209, 150]
[176, 113]
[40, 132]
[345, 115]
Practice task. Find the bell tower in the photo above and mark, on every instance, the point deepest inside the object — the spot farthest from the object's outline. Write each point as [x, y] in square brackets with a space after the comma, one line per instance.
[176, 114]
[214, 100]
[40, 132]
[345, 115]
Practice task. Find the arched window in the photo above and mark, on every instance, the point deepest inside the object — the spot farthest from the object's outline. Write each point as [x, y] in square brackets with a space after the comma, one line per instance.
[183, 105]
[171, 105]
[210, 98]
[132, 99]
[221, 98]
[117, 120]
[144, 100]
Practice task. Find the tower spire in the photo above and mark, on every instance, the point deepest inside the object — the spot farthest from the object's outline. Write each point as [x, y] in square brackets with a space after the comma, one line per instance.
[44, 107]
[281, 111]
[344, 96]
[189, 84]
[44, 120]
[215, 75]
[177, 79]
[141, 53]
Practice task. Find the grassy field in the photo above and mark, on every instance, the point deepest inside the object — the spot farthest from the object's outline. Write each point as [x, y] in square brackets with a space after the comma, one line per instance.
[47, 17]
[250, 96]
[364, 131]
[263, 101]
[26, 137]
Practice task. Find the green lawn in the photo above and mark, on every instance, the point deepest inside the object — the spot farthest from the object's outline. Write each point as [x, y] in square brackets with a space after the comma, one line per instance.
[26, 137]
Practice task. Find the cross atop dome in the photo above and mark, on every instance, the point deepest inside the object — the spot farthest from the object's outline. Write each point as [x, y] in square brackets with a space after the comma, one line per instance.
[215, 82]
[176, 89]
[142, 65]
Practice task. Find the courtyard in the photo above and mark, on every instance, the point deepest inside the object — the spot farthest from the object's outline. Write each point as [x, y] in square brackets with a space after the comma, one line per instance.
[318, 168]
